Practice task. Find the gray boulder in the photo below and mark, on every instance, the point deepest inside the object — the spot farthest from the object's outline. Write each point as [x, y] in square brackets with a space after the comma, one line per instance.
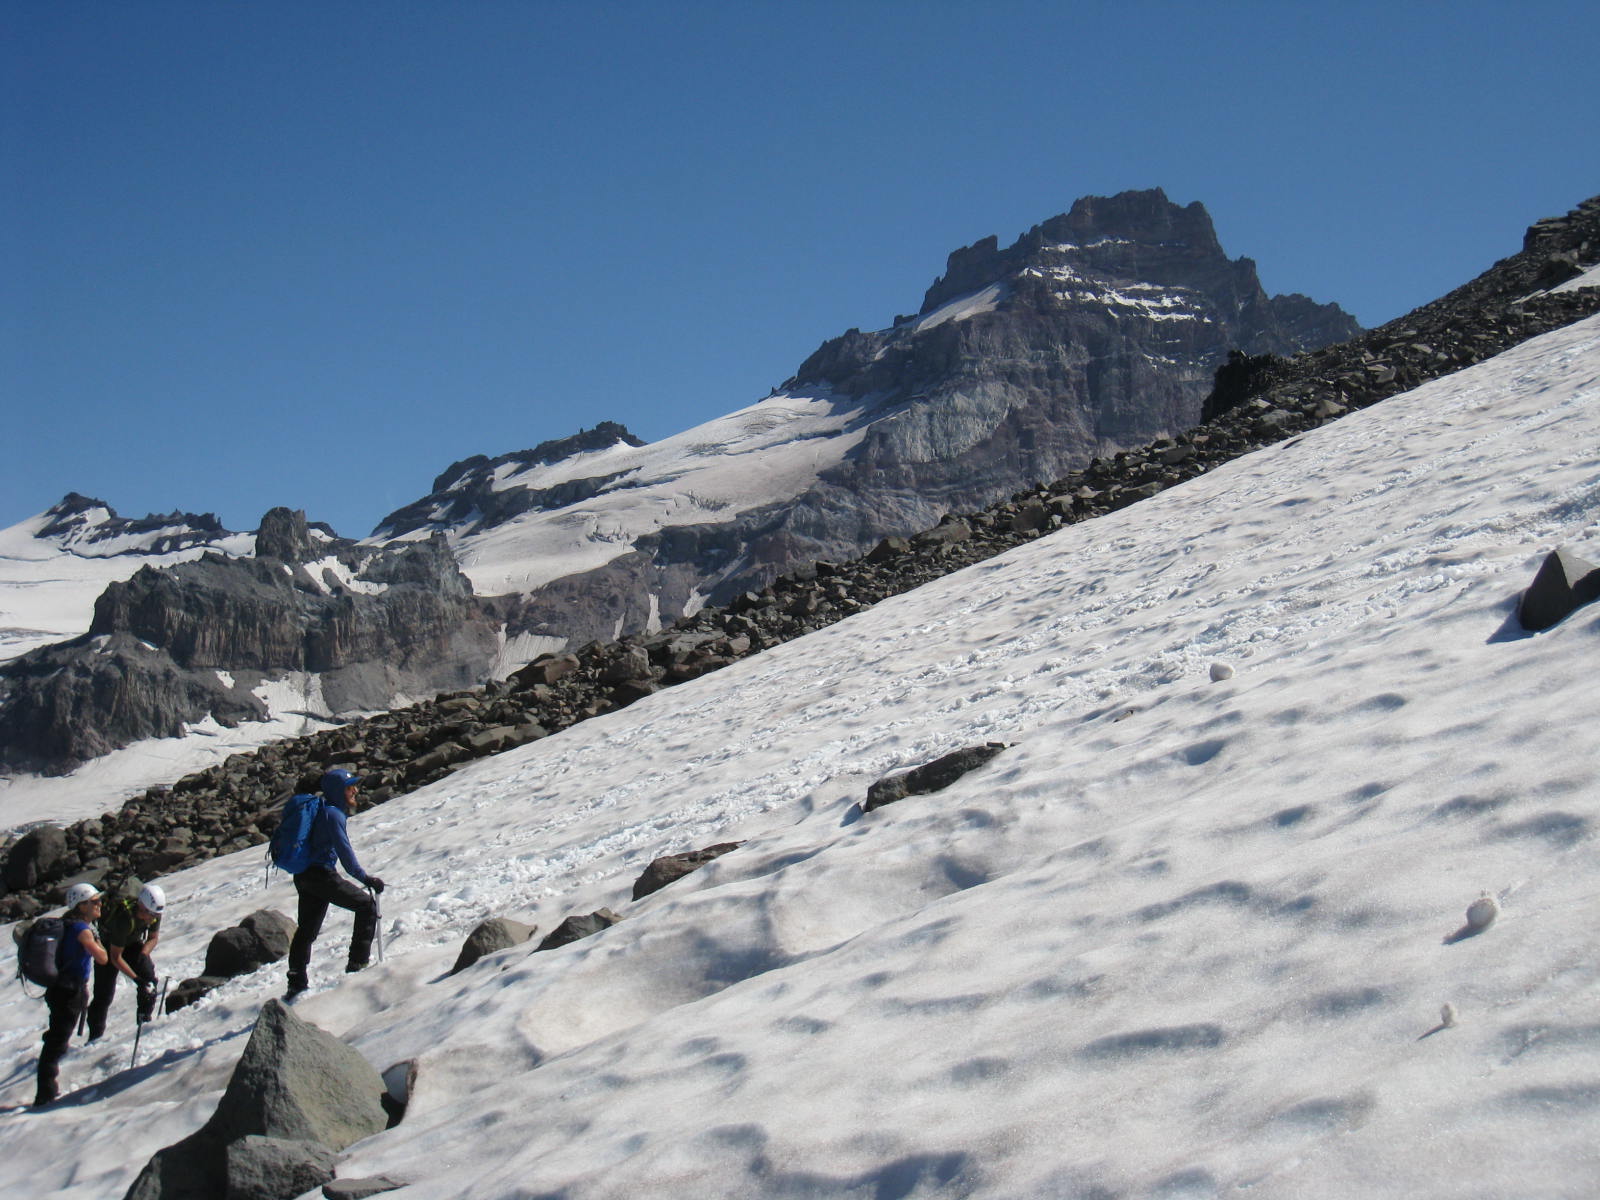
[671, 867]
[497, 933]
[191, 990]
[294, 1083]
[576, 927]
[930, 777]
[261, 938]
[1563, 584]
[39, 855]
[264, 1168]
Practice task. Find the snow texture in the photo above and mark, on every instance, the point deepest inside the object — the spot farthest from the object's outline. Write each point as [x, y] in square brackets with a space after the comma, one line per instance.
[1185, 938]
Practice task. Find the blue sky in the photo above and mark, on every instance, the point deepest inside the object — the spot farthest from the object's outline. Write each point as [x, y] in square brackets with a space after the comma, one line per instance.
[312, 253]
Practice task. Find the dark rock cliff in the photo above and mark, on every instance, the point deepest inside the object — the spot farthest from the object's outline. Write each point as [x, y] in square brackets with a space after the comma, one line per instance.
[172, 646]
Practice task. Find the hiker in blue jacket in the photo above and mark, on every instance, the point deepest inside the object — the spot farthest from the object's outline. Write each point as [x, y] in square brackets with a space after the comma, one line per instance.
[320, 884]
[69, 995]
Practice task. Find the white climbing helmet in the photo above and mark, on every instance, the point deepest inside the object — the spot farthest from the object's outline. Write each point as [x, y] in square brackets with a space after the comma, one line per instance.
[79, 892]
[153, 898]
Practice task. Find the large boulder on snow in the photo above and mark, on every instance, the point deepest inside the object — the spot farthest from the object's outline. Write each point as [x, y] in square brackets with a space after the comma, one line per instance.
[294, 1083]
[261, 938]
[497, 933]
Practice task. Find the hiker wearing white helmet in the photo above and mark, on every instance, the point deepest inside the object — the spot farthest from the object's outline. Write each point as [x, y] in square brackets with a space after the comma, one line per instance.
[129, 929]
[69, 995]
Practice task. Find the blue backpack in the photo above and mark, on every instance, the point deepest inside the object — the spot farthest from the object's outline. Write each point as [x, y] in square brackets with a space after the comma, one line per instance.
[290, 847]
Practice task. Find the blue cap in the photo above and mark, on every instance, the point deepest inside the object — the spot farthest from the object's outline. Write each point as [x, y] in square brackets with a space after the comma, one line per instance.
[335, 782]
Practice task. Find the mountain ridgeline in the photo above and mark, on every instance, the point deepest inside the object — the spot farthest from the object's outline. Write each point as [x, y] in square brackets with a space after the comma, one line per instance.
[1095, 332]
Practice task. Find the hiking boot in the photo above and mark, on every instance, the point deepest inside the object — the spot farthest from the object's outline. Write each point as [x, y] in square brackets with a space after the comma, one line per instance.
[351, 967]
[46, 1095]
[297, 984]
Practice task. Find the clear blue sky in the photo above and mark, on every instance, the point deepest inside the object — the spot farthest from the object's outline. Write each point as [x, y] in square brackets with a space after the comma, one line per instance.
[258, 253]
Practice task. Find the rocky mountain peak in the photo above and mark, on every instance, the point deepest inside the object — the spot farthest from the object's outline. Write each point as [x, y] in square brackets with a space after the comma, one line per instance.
[284, 535]
[471, 491]
[1113, 232]
[84, 520]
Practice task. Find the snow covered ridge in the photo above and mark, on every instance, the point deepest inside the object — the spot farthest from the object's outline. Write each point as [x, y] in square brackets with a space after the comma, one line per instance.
[1227, 913]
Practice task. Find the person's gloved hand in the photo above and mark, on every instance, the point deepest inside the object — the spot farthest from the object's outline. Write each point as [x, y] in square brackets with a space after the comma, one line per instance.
[375, 884]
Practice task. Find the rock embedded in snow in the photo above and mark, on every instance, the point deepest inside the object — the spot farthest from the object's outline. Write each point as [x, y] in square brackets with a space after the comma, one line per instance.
[293, 1084]
[930, 777]
[577, 927]
[261, 938]
[1221, 671]
[670, 868]
[1563, 584]
[497, 933]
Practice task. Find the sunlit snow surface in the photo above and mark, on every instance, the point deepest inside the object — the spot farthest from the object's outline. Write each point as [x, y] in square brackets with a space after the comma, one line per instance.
[762, 454]
[1184, 939]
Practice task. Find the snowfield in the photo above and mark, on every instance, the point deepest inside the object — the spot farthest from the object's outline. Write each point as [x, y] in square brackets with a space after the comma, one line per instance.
[764, 453]
[1184, 938]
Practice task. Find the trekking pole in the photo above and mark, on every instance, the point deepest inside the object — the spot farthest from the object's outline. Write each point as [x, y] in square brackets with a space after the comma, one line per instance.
[377, 917]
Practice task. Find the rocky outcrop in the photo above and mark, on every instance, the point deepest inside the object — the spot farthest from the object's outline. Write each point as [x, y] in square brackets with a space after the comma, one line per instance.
[170, 647]
[579, 926]
[297, 1097]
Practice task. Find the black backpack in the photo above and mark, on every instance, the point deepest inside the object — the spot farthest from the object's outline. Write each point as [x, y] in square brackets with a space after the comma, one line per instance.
[39, 948]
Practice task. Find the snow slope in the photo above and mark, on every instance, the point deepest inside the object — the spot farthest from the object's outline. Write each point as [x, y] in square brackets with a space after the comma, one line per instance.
[1184, 939]
[762, 454]
[48, 586]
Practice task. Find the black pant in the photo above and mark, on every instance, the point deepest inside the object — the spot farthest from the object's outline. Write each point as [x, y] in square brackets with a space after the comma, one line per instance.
[319, 887]
[105, 987]
[66, 1006]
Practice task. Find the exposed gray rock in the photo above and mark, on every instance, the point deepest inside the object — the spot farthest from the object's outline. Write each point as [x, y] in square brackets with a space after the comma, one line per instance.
[497, 933]
[294, 1083]
[672, 867]
[261, 938]
[265, 1168]
[149, 664]
[40, 854]
[1563, 584]
[576, 927]
[360, 1189]
[191, 990]
[284, 535]
[930, 777]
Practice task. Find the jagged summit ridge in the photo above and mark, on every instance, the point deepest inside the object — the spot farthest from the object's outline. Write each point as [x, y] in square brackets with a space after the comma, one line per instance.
[480, 492]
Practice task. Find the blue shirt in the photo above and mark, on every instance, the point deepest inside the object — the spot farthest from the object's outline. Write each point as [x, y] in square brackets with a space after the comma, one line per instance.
[73, 963]
[330, 842]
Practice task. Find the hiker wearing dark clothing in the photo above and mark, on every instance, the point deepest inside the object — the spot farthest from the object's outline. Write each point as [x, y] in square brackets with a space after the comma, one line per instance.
[69, 995]
[129, 930]
[320, 884]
